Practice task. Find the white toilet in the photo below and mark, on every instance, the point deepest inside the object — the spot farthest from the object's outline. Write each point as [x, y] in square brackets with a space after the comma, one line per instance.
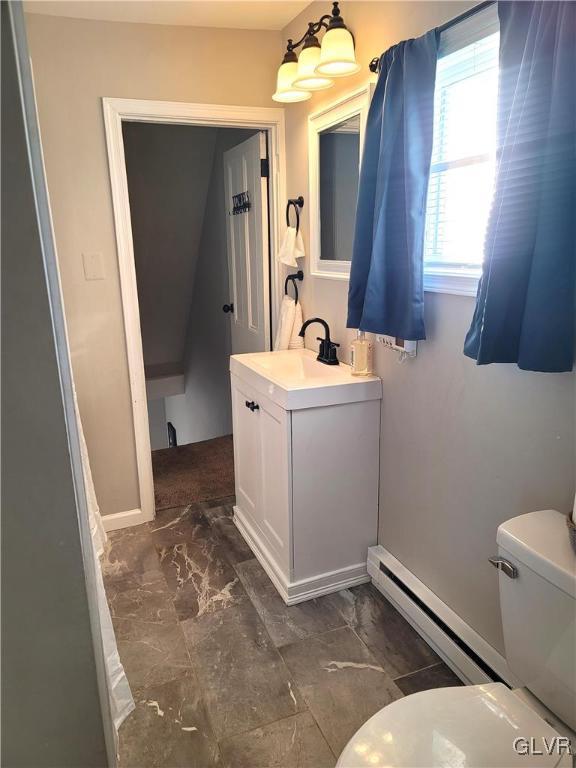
[491, 726]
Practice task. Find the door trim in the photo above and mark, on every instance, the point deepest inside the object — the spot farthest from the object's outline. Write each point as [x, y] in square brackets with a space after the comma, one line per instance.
[217, 115]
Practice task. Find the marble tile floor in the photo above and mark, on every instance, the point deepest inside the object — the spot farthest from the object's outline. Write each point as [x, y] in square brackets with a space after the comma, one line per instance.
[224, 674]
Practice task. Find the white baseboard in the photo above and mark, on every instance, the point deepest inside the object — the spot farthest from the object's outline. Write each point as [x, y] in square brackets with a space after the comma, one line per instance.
[455, 656]
[293, 592]
[125, 519]
[326, 583]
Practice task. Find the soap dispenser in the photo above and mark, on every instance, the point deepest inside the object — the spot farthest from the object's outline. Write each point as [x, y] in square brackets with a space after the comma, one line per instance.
[361, 355]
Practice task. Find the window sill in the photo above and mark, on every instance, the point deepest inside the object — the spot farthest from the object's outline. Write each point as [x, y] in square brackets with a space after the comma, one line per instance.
[331, 270]
[458, 282]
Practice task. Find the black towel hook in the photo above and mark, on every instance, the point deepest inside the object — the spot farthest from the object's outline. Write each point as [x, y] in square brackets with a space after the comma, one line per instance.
[292, 278]
[297, 203]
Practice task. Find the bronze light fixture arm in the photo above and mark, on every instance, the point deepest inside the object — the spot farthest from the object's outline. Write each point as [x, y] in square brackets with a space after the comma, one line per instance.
[329, 21]
[313, 28]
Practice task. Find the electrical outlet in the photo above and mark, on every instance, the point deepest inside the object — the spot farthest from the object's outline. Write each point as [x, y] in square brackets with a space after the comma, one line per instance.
[405, 347]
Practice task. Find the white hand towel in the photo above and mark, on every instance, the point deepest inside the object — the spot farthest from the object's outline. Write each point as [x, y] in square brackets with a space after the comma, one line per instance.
[299, 246]
[292, 248]
[285, 323]
[296, 341]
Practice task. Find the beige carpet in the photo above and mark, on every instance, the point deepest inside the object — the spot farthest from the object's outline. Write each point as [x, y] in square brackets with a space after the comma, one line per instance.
[194, 472]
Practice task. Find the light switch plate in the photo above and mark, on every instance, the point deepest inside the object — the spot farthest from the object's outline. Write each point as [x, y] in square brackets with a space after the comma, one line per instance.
[93, 266]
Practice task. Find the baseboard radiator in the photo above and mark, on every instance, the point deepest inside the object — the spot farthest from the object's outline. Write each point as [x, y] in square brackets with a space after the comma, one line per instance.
[467, 653]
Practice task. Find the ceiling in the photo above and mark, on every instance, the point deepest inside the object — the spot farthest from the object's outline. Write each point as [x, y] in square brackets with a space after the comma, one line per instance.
[242, 14]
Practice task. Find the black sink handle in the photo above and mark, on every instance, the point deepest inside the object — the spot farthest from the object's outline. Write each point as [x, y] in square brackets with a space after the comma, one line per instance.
[333, 343]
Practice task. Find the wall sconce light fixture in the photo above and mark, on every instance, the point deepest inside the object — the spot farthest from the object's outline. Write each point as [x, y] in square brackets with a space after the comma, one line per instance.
[318, 63]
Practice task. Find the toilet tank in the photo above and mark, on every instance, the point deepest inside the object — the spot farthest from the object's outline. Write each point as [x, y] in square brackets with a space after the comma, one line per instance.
[538, 608]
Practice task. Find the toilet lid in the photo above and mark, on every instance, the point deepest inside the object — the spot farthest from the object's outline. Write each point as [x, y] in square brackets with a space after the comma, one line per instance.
[465, 727]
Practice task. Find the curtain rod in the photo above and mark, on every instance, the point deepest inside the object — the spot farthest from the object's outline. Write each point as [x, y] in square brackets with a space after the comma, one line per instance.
[443, 27]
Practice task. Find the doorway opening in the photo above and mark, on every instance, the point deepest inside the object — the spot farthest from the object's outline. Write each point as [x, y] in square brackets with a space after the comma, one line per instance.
[195, 207]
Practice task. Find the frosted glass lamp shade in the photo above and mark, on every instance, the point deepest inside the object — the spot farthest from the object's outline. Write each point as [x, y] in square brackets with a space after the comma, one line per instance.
[306, 77]
[285, 91]
[337, 57]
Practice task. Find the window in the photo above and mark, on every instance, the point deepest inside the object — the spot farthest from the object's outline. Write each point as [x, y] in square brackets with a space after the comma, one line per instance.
[463, 155]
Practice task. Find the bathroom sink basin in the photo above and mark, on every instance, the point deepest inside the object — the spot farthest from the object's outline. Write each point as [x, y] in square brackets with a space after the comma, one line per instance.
[294, 379]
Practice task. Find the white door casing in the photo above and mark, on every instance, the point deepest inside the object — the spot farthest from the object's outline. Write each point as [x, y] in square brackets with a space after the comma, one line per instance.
[247, 241]
[218, 115]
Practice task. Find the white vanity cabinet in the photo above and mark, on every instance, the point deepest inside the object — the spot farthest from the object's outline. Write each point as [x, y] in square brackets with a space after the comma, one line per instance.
[306, 456]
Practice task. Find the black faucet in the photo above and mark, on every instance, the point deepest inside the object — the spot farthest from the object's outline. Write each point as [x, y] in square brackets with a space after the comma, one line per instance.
[327, 353]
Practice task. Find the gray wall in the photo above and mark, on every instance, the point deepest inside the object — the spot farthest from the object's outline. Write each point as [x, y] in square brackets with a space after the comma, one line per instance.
[463, 447]
[50, 706]
[76, 63]
[168, 169]
[205, 410]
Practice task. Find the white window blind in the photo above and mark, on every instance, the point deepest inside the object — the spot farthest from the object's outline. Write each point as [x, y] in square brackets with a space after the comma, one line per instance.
[463, 155]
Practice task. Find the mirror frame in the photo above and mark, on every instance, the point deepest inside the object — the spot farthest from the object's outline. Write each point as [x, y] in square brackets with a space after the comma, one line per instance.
[347, 106]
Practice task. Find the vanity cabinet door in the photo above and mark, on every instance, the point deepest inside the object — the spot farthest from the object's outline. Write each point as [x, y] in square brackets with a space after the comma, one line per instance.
[262, 464]
[276, 481]
[247, 463]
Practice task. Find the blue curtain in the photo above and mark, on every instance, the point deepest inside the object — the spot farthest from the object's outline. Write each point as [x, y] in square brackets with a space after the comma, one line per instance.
[525, 311]
[386, 292]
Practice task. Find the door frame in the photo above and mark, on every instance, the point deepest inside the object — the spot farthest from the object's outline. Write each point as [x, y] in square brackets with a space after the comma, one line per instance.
[115, 111]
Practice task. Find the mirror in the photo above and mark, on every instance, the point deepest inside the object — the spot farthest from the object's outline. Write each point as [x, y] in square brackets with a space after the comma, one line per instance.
[335, 146]
[339, 171]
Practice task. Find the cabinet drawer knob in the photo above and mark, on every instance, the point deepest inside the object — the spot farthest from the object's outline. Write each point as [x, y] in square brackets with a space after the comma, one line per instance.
[252, 405]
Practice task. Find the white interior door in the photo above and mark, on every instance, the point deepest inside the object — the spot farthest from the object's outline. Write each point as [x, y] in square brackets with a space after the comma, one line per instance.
[247, 237]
